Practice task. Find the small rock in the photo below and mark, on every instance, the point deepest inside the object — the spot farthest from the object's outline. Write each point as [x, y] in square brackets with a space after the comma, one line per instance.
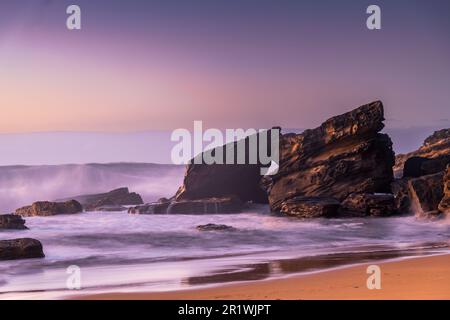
[214, 227]
[25, 248]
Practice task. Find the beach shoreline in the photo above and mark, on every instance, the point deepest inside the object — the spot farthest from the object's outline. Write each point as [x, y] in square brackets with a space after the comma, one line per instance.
[410, 278]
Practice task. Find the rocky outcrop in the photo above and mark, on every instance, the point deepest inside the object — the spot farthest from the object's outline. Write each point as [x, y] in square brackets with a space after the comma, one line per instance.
[444, 205]
[310, 207]
[214, 227]
[20, 249]
[204, 181]
[435, 146]
[11, 221]
[202, 206]
[114, 198]
[46, 208]
[366, 204]
[345, 155]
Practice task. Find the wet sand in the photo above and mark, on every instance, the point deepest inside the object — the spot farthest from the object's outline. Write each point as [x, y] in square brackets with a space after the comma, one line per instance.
[412, 278]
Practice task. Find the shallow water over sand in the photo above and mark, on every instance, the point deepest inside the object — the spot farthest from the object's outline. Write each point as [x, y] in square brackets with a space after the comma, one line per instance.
[121, 252]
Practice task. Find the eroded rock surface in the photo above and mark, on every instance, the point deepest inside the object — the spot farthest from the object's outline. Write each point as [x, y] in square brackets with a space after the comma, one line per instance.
[345, 155]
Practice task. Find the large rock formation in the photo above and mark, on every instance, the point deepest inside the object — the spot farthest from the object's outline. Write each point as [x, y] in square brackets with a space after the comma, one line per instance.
[345, 155]
[20, 249]
[46, 208]
[11, 221]
[203, 206]
[444, 205]
[109, 200]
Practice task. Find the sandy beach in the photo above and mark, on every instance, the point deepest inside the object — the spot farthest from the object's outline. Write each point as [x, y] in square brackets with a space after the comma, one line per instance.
[416, 278]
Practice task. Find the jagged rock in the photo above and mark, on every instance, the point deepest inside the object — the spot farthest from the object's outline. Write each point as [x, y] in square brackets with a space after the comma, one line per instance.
[310, 207]
[214, 227]
[203, 206]
[436, 145]
[204, 181]
[46, 208]
[117, 197]
[345, 155]
[365, 204]
[11, 221]
[426, 193]
[20, 249]
[444, 205]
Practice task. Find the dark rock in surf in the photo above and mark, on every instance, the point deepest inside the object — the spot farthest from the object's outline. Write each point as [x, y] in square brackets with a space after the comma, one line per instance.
[366, 204]
[20, 249]
[46, 208]
[214, 227]
[12, 221]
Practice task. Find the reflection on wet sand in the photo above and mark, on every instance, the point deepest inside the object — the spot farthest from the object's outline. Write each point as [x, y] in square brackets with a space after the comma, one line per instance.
[277, 268]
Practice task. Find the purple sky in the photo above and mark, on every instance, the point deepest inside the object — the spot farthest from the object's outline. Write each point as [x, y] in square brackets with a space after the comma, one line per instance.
[159, 65]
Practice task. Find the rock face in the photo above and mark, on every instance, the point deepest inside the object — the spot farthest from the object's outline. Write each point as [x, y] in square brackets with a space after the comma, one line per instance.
[20, 249]
[444, 205]
[310, 207]
[203, 206]
[419, 166]
[204, 181]
[46, 208]
[11, 221]
[436, 145]
[365, 204]
[114, 198]
[345, 155]
[214, 227]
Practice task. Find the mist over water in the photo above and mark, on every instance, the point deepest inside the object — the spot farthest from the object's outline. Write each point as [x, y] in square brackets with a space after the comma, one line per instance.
[22, 185]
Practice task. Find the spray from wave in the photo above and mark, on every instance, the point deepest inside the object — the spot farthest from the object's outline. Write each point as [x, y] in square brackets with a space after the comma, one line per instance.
[22, 185]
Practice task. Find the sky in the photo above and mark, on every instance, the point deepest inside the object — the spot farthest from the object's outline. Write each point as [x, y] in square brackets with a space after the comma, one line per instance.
[143, 65]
